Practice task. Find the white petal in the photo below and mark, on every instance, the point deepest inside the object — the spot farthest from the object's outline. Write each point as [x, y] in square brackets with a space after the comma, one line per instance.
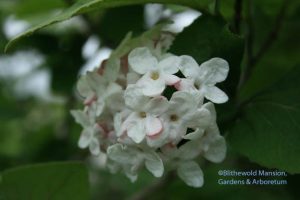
[182, 102]
[153, 126]
[189, 150]
[198, 133]
[132, 177]
[152, 88]
[216, 151]
[94, 147]
[99, 106]
[115, 102]
[215, 95]
[176, 132]
[132, 78]
[170, 151]
[137, 132]
[185, 85]
[134, 98]
[154, 164]
[83, 88]
[190, 173]
[189, 67]
[214, 71]
[112, 88]
[199, 119]
[141, 60]
[211, 107]
[85, 138]
[81, 118]
[157, 105]
[158, 140]
[118, 124]
[121, 154]
[169, 65]
[171, 79]
[96, 82]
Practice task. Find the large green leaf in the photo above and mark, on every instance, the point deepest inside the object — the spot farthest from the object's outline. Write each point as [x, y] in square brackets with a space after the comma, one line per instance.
[268, 129]
[30, 7]
[280, 58]
[55, 181]
[85, 6]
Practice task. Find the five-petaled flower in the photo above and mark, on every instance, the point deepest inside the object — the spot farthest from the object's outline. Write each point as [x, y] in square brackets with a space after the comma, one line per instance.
[156, 74]
[204, 77]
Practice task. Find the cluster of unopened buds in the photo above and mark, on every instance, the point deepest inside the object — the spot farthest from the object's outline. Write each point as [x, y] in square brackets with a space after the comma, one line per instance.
[144, 107]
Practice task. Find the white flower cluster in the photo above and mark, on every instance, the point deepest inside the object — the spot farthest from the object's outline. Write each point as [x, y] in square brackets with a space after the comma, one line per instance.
[129, 118]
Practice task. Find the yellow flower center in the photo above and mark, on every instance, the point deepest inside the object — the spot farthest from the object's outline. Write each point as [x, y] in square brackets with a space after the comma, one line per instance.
[174, 118]
[143, 114]
[154, 75]
[197, 86]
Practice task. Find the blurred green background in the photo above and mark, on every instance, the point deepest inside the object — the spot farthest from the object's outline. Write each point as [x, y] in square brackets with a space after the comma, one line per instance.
[38, 76]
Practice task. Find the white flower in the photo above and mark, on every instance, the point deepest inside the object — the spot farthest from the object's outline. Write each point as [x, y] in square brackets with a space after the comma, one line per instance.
[190, 173]
[210, 144]
[204, 77]
[187, 169]
[213, 145]
[183, 113]
[99, 92]
[91, 131]
[156, 74]
[132, 158]
[143, 121]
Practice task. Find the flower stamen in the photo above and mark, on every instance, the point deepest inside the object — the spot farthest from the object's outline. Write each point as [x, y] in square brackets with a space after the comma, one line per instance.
[142, 114]
[154, 75]
[174, 118]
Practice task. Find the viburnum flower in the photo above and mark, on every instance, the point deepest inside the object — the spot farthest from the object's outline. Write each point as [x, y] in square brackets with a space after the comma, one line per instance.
[156, 74]
[209, 144]
[204, 77]
[184, 113]
[98, 91]
[91, 131]
[143, 121]
[130, 159]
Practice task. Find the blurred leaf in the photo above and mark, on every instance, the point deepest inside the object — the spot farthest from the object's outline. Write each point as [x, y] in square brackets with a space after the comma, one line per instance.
[267, 132]
[272, 7]
[10, 138]
[30, 7]
[85, 6]
[280, 58]
[57, 181]
[66, 61]
[117, 22]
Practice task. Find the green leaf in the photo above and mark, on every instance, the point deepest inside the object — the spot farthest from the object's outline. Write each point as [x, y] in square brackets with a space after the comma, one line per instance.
[112, 29]
[267, 131]
[279, 59]
[56, 181]
[31, 7]
[85, 6]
